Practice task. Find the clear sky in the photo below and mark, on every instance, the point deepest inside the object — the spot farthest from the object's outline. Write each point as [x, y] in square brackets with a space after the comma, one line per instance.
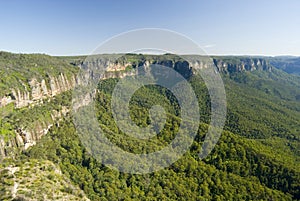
[235, 27]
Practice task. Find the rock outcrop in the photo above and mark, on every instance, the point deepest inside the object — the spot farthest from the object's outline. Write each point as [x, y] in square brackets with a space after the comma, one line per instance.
[27, 137]
[223, 64]
[39, 90]
[241, 64]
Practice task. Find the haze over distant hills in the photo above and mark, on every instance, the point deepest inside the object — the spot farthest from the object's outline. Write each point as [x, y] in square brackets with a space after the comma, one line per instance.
[289, 64]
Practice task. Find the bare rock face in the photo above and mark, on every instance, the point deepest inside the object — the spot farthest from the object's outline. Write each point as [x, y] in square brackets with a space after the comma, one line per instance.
[222, 64]
[242, 64]
[27, 137]
[34, 94]
[39, 90]
[5, 100]
[61, 84]
[2, 148]
[44, 88]
[22, 98]
[111, 66]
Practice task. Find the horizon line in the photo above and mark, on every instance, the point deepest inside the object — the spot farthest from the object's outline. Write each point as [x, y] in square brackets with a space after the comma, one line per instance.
[124, 53]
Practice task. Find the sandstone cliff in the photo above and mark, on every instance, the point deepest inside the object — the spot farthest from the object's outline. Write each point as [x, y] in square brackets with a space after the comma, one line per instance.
[227, 65]
[38, 91]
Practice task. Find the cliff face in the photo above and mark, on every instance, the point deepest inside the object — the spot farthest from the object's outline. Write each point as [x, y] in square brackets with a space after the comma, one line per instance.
[39, 91]
[121, 69]
[223, 64]
[27, 137]
[241, 64]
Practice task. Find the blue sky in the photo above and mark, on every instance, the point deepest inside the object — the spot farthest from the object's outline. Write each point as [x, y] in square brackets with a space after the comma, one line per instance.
[250, 27]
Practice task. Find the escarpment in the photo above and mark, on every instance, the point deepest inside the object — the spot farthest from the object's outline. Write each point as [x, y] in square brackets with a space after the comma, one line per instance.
[231, 65]
[35, 82]
[186, 65]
